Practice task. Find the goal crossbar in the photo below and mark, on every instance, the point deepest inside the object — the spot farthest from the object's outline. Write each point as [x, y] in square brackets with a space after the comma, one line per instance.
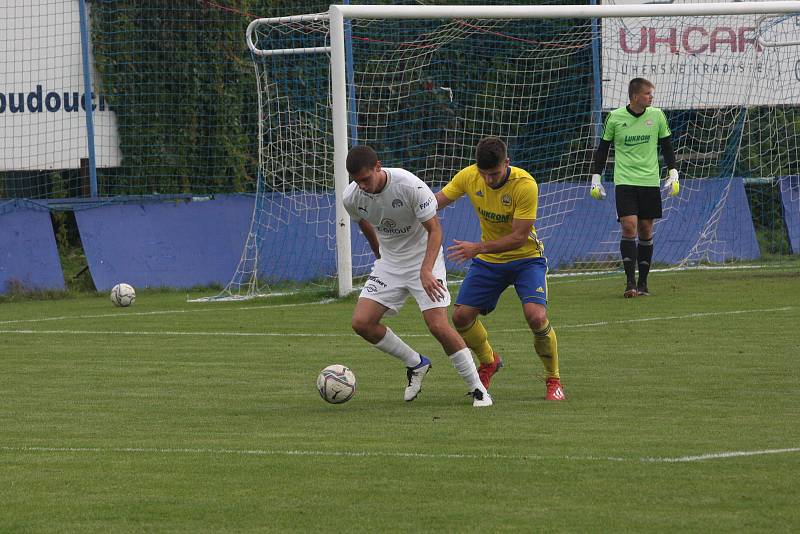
[565, 11]
[521, 12]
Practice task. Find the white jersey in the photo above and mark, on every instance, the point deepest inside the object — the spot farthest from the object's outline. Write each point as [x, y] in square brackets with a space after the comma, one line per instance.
[396, 213]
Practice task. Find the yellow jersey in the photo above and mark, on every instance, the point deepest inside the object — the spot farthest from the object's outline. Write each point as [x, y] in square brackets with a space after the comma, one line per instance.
[518, 198]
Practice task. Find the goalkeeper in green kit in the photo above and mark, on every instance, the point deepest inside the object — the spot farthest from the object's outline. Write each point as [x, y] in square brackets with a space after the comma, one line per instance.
[636, 131]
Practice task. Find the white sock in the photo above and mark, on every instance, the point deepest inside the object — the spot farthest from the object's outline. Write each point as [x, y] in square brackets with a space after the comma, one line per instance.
[465, 365]
[391, 344]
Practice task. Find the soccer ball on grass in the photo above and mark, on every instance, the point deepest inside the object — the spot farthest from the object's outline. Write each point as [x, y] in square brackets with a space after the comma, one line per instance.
[336, 384]
[123, 295]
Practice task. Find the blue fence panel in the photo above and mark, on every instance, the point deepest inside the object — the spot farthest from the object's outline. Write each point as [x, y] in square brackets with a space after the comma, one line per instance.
[790, 198]
[186, 244]
[28, 253]
[158, 244]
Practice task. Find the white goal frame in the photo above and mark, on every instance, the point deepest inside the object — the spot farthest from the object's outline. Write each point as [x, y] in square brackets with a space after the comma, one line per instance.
[338, 13]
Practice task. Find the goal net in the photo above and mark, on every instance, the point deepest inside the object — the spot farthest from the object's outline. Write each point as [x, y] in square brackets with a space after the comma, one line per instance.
[422, 85]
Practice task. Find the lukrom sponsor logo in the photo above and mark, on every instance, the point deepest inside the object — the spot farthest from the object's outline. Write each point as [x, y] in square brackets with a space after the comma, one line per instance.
[39, 101]
[631, 140]
[494, 217]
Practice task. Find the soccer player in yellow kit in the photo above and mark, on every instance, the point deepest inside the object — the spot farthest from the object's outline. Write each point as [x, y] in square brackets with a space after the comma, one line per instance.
[505, 200]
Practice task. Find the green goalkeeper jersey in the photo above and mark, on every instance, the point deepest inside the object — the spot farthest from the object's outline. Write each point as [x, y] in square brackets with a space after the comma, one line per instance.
[636, 145]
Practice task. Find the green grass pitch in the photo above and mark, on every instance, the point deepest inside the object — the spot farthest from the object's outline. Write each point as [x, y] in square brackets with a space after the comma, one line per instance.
[682, 414]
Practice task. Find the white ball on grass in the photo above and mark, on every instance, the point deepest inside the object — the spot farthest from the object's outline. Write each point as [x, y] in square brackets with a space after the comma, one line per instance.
[123, 295]
[336, 384]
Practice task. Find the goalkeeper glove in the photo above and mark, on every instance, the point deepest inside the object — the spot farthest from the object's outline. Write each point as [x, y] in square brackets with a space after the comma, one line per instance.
[671, 185]
[598, 192]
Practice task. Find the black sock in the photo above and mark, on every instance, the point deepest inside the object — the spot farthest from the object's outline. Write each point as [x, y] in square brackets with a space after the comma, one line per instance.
[627, 248]
[645, 254]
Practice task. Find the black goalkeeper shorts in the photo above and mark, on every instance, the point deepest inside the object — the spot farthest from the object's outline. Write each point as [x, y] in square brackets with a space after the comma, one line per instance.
[645, 202]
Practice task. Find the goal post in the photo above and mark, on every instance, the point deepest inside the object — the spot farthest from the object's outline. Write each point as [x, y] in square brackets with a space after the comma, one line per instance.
[340, 147]
[417, 101]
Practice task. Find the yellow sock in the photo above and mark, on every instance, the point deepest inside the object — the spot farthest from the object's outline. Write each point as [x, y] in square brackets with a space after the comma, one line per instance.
[476, 338]
[546, 345]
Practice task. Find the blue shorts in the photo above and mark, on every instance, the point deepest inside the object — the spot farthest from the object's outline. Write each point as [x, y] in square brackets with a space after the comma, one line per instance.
[485, 282]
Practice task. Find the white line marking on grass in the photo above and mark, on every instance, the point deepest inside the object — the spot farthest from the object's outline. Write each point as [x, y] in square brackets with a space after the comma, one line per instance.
[350, 334]
[670, 317]
[721, 455]
[173, 333]
[606, 273]
[379, 454]
[166, 312]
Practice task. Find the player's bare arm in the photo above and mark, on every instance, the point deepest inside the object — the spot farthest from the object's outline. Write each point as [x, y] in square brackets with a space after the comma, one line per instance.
[442, 200]
[432, 285]
[372, 237]
[462, 251]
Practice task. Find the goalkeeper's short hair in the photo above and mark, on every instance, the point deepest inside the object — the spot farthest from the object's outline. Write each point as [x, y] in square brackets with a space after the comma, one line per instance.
[636, 85]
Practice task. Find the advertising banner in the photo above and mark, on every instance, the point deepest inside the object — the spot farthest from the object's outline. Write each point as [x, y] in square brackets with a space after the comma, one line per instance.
[42, 101]
[702, 62]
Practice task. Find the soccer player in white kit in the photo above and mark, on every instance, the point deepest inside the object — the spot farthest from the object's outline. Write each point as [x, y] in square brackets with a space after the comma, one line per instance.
[396, 212]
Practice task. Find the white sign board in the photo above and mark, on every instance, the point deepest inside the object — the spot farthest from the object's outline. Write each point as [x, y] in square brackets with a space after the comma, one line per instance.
[42, 108]
[702, 62]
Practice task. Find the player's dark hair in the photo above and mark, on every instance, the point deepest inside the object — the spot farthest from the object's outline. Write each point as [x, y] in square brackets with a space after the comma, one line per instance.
[361, 157]
[636, 85]
[490, 152]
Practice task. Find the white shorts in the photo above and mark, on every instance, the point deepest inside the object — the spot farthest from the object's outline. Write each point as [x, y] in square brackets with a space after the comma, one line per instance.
[391, 287]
